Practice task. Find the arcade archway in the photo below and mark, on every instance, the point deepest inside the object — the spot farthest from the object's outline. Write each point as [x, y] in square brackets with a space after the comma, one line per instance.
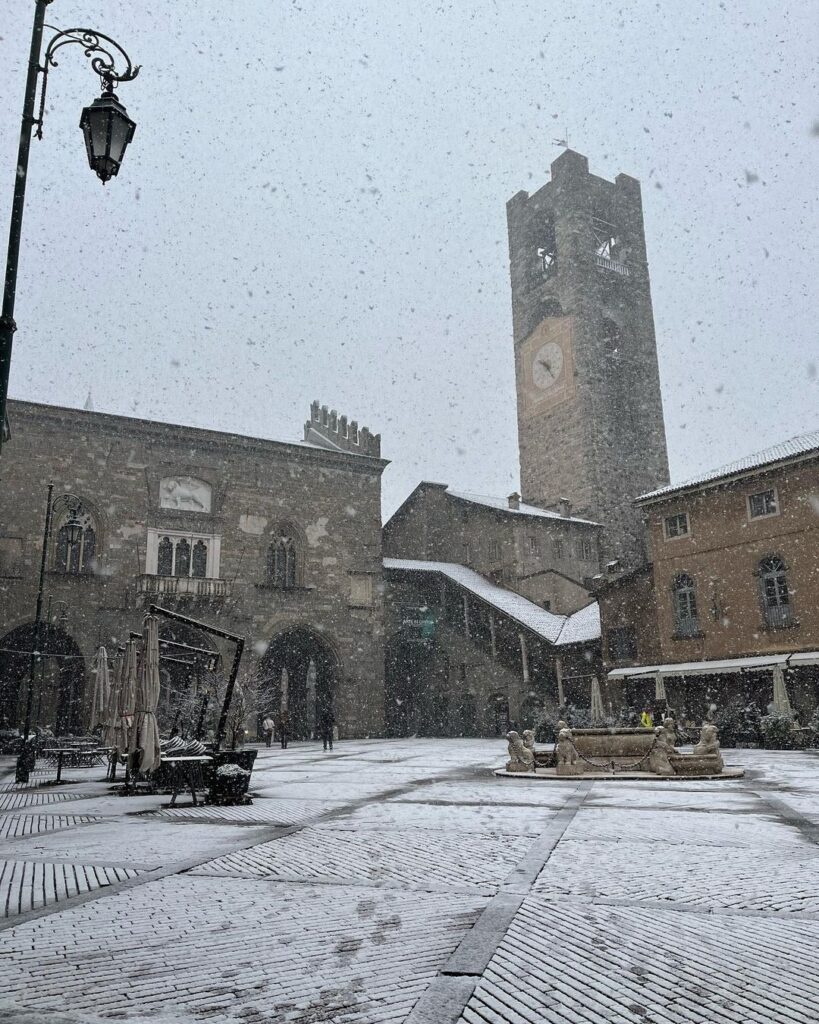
[59, 682]
[416, 681]
[309, 687]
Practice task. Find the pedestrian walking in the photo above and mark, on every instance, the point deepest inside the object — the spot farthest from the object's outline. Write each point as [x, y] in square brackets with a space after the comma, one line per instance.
[647, 719]
[326, 724]
[284, 727]
[268, 727]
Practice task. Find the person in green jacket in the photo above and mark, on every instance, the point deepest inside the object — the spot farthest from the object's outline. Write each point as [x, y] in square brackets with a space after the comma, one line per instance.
[647, 719]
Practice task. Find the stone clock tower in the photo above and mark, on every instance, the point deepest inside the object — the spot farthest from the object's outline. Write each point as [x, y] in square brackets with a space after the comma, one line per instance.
[590, 415]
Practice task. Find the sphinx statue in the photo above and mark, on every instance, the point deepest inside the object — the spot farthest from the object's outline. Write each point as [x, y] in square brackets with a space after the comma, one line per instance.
[566, 750]
[670, 727]
[529, 739]
[521, 757]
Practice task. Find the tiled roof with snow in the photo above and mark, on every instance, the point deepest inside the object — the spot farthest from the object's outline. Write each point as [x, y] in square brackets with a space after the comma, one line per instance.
[805, 444]
[580, 627]
[502, 505]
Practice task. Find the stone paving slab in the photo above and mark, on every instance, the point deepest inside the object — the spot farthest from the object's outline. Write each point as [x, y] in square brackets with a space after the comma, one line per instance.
[134, 842]
[27, 798]
[681, 828]
[262, 811]
[467, 819]
[28, 885]
[784, 879]
[395, 857]
[237, 950]
[17, 826]
[572, 963]
[492, 792]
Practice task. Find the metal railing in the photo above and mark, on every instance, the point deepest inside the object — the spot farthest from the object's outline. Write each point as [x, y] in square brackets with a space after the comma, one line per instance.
[609, 264]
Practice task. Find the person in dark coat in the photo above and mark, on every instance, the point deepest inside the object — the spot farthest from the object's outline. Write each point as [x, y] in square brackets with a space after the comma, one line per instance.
[326, 723]
[284, 728]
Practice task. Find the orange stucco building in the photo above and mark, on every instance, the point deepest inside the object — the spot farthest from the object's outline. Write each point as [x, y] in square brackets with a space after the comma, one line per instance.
[732, 589]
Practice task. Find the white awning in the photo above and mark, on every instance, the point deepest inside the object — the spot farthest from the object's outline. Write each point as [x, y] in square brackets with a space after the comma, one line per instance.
[707, 668]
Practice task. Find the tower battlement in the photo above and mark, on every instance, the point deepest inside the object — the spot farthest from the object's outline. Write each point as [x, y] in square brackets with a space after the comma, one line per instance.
[326, 428]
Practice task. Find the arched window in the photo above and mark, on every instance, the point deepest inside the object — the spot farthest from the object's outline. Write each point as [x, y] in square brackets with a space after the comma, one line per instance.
[684, 595]
[282, 563]
[776, 599]
[76, 537]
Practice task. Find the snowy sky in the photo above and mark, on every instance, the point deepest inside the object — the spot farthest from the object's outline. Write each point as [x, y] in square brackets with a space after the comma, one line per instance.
[313, 206]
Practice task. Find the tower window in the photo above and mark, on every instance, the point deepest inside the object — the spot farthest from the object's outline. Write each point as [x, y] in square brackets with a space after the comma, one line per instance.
[547, 250]
[76, 539]
[765, 503]
[676, 526]
[534, 546]
[608, 248]
[281, 563]
[686, 622]
[776, 598]
[182, 555]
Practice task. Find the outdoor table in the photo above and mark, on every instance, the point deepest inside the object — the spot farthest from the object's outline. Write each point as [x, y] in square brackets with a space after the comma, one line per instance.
[59, 753]
[185, 771]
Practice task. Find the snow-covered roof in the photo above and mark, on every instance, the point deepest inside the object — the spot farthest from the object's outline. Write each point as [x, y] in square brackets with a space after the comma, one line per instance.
[502, 505]
[794, 447]
[707, 668]
[580, 627]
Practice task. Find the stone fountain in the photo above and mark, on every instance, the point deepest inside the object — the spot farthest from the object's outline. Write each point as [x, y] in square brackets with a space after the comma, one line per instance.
[618, 753]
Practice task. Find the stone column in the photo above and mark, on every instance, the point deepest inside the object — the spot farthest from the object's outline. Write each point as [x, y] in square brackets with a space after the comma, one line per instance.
[466, 617]
[561, 699]
[493, 636]
[524, 658]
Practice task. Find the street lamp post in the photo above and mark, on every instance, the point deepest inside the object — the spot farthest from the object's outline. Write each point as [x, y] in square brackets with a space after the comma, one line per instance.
[27, 756]
[107, 130]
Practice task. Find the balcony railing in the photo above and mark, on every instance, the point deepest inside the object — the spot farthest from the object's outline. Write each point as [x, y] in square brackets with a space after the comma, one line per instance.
[183, 586]
[778, 616]
[609, 264]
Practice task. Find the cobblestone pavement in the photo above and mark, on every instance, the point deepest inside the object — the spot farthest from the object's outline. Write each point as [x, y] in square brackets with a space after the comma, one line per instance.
[402, 881]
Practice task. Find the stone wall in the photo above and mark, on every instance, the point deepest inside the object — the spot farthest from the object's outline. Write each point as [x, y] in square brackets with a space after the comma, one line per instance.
[328, 502]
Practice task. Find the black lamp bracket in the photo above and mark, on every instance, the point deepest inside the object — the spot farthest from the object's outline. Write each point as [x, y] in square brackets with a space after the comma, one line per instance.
[103, 53]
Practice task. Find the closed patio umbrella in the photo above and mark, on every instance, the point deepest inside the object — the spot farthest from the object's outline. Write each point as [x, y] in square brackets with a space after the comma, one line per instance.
[781, 700]
[111, 710]
[102, 690]
[125, 703]
[659, 687]
[145, 733]
[598, 713]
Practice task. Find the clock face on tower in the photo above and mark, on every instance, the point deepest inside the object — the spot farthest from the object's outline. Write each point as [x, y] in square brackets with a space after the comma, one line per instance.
[545, 366]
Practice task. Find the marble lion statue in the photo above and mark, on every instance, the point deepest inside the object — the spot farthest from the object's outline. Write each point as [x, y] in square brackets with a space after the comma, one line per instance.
[566, 750]
[521, 758]
[658, 759]
[708, 745]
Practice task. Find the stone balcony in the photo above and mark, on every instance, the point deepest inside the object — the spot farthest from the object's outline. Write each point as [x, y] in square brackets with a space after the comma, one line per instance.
[182, 586]
[609, 264]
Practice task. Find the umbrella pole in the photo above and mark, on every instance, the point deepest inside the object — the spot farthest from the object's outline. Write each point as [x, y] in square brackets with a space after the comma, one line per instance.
[234, 672]
[198, 734]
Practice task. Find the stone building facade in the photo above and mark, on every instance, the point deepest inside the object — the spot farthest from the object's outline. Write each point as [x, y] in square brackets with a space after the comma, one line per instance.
[545, 556]
[590, 417]
[278, 542]
[732, 589]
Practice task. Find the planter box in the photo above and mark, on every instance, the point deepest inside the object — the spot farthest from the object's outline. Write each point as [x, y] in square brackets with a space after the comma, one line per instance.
[228, 790]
